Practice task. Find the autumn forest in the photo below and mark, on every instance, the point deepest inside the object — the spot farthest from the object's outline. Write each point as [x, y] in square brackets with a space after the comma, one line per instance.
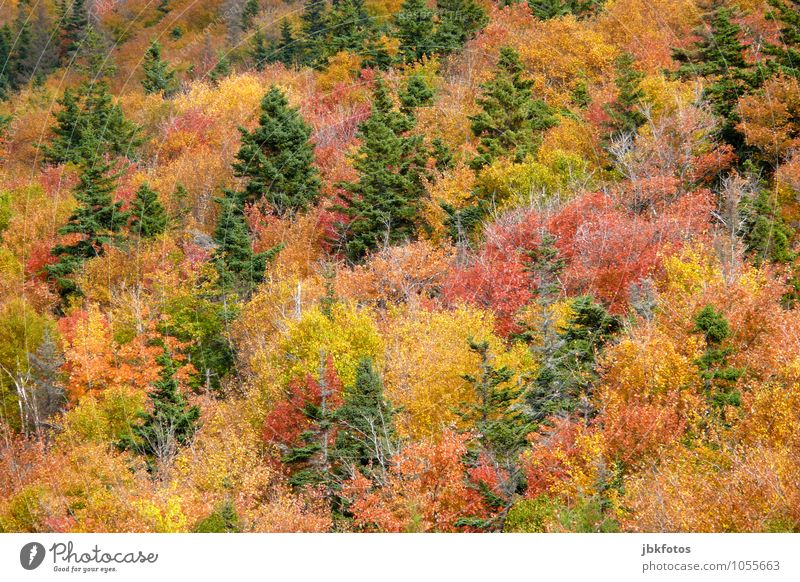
[399, 266]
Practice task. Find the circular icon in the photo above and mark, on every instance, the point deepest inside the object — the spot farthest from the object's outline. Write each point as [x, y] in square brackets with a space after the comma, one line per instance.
[31, 555]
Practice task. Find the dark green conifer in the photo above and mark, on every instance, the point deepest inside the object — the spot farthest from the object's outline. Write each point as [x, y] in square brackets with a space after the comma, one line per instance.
[766, 235]
[249, 13]
[148, 216]
[415, 30]
[458, 22]
[547, 9]
[719, 378]
[625, 114]
[158, 76]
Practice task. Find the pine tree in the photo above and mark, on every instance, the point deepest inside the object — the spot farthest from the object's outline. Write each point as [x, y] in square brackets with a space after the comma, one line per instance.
[383, 206]
[277, 158]
[511, 120]
[547, 9]
[415, 30]
[98, 219]
[314, 28]
[170, 423]
[158, 76]
[563, 384]
[458, 22]
[766, 235]
[148, 216]
[240, 269]
[351, 28]
[417, 93]
[625, 115]
[75, 20]
[89, 116]
[719, 57]
[719, 379]
[786, 53]
[502, 429]
[249, 13]
[287, 49]
[259, 53]
[365, 422]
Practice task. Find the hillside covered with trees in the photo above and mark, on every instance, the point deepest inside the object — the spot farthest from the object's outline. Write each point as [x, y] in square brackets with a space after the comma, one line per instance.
[399, 265]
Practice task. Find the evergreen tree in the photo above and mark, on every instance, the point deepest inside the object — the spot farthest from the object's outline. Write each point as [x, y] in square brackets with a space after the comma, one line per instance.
[259, 53]
[48, 394]
[563, 384]
[92, 56]
[625, 115]
[383, 206]
[351, 28]
[223, 520]
[158, 76]
[6, 81]
[314, 29]
[719, 57]
[786, 53]
[547, 9]
[365, 422]
[98, 219]
[170, 422]
[458, 22]
[86, 117]
[239, 268]
[287, 49]
[415, 30]
[511, 120]
[221, 69]
[249, 13]
[766, 236]
[148, 217]
[417, 93]
[719, 379]
[74, 19]
[502, 431]
[277, 158]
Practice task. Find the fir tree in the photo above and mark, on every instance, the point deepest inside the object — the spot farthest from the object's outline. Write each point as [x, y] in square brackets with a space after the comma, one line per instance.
[240, 269]
[98, 219]
[221, 69]
[6, 81]
[170, 423]
[719, 56]
[314, 28]
[547, 9]
[417, 93]
[259, 53]
[763, 230]
[563, 384]
[148, 217]
[415, 30]
[287, 49]
[249, 13]
[719, 379]
[48, 394]
[383, 206]
[90, 116]
[502, 431]
[158, 76]
[458, 22]
[75, 20]
[351, 28]
[277, 158]
[625, 115]
[786, 53]
[511, 120]
[93, 58]
[365, 422]
[224, 519]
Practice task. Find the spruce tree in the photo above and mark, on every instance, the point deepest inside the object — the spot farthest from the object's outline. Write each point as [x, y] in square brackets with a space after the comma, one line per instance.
[786, 53]
[86, 117]
[314, 27]
[6, 81]
[148, 216]
[719, 57]
[625, 115]
[277, 158]
[365, 422]
[170, 423]
[351, 28]
[98, 219]
[501, 428]
[249, 13]
[221, 69]
[224, 519]
[93, 57]
[158, 76]
[74, 19]
[417, 93]
[564, 382]
[458, 22]
[48, 394]
[259, 53]
[383, 206]
[415, 30]
[511, 120]
[286, 49]
[547, 9]
[240, 269]
[765, 234]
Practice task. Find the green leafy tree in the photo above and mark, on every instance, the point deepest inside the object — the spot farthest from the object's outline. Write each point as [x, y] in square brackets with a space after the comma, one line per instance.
[383, 206]
[170, 422]
[625, 114]
[415, 30]
[87, 119]
[511, 120]
[98, 220]
[158, 76]
[277, 158]
[458, 22]
[502, 429]
[148, 216]
[567, 373]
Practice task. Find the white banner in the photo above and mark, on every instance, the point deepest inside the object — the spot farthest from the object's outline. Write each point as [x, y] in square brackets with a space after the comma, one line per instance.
[373, 557]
